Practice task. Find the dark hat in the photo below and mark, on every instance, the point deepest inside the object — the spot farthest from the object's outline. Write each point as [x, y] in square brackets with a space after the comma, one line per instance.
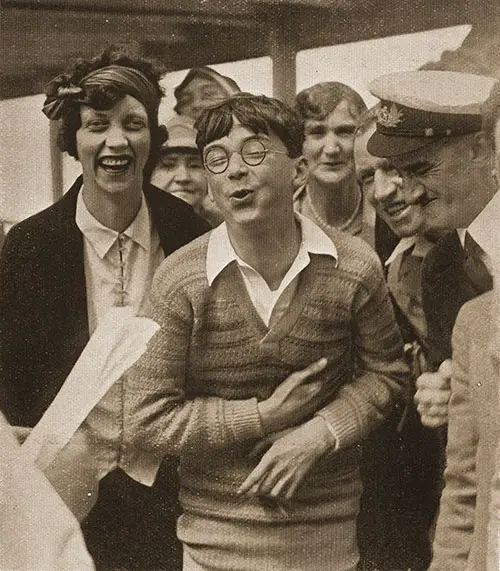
[419, 107]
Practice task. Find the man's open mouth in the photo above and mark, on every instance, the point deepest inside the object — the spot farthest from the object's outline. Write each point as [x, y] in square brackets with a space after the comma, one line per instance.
[241, 193]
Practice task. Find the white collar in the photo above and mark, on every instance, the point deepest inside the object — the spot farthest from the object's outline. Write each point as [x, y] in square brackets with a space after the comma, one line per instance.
[103, 238]
[220, 251]
[420, 244]
[485, 229]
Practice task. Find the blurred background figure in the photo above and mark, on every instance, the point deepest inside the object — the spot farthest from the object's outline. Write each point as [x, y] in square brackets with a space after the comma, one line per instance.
[332, 197]
[201, 88]
[179, 170]
[38, 531]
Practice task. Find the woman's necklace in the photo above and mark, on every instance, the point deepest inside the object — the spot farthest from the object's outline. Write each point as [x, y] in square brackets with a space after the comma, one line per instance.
[343, 226]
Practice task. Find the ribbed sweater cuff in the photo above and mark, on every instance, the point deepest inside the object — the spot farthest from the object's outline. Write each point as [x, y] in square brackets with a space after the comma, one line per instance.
[243, 418]
[343, 422]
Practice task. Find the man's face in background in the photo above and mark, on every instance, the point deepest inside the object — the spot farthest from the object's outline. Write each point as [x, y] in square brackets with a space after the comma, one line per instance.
[382, 185]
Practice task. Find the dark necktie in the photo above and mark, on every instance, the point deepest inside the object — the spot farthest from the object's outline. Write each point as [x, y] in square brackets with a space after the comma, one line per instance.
[474, 265]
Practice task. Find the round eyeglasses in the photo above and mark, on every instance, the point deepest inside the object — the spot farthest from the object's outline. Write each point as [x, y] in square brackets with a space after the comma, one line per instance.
[253, 152]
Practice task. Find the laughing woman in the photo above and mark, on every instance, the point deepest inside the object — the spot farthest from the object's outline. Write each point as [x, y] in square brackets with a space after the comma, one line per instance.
[64, 268]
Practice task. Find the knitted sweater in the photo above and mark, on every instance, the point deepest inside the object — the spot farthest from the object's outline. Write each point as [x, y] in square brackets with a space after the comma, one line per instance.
[195, 391]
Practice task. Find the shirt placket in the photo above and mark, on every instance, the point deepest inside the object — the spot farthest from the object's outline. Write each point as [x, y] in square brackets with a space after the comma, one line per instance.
[122, 296]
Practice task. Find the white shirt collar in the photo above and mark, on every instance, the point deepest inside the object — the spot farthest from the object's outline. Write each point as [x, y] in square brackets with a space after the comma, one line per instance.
[419, 243]
[103, 238]
[220, 251]
[485, 229]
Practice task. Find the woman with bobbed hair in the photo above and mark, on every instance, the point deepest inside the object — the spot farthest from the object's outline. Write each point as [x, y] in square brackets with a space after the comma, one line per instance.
[85, 85]
[332, 197]
[64, 268]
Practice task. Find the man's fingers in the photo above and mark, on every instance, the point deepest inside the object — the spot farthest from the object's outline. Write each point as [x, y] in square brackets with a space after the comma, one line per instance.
[445, 368]
[255, 477]
[433, 410]
[427, 398]
[433, 381]
[261, 447]
[433, 421]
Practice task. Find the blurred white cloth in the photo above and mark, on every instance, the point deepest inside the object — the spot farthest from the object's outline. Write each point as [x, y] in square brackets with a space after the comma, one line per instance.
[69, 455]
[37, 531]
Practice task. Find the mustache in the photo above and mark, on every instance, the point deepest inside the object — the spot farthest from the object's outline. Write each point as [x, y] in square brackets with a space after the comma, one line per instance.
[423, 199]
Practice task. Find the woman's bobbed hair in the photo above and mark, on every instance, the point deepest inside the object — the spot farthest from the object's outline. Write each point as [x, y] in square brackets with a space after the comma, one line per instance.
[105, 97]
[317, 102]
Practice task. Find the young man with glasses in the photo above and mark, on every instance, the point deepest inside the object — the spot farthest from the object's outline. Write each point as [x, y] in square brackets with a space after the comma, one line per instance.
[277, 354]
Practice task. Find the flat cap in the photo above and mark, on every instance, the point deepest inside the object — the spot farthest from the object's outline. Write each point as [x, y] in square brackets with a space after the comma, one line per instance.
[181, 133]
[419, 107]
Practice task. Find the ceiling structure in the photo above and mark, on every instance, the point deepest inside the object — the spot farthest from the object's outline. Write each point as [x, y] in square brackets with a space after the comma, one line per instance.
[41, 37]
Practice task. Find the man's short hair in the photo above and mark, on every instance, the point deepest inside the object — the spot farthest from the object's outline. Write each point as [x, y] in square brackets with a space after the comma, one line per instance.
[318, 101]
[258, 113]
[227, 84]
[105, 97]
[491, 113]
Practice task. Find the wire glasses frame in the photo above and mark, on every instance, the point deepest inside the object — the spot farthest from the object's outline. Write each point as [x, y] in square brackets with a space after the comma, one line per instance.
[253, 152]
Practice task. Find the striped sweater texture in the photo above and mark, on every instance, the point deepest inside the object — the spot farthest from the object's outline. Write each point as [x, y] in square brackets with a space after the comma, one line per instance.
[194, 393]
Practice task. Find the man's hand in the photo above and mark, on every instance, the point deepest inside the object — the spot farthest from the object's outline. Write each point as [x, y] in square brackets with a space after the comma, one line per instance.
[296, 398]
[433, 394]
[288, 460]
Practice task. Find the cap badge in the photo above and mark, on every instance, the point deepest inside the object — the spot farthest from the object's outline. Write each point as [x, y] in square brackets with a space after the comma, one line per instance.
[389, 117]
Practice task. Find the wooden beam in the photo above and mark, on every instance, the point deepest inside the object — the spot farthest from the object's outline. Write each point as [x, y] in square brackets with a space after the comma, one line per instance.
[56, 162]
[283, 53]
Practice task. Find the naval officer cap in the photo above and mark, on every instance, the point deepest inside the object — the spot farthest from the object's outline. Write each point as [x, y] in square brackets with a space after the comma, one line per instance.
[419, 107]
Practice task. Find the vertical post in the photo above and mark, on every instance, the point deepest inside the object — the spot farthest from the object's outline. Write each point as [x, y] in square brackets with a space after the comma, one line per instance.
[283, 52]
[56, 164]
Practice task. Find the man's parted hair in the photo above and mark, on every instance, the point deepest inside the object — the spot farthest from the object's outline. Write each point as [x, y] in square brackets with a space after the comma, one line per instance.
[317, 102]
[258, 113]
[491, 113]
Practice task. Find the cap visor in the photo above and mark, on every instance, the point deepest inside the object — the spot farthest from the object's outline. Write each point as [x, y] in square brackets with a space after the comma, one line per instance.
[180, 144]
[380, 145]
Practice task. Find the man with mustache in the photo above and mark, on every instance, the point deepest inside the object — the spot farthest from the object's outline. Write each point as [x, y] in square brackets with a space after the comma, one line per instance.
[402, 459]
[430, 128]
